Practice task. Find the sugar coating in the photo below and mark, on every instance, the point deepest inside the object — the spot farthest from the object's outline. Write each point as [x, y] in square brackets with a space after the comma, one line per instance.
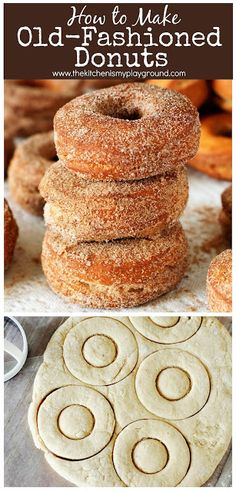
[96, 210]
[129, 131]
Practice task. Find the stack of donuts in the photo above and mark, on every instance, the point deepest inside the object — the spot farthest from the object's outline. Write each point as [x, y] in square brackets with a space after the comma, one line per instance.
[114, 198]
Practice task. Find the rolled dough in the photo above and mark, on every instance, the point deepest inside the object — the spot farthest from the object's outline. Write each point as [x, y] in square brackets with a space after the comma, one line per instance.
[144, 401]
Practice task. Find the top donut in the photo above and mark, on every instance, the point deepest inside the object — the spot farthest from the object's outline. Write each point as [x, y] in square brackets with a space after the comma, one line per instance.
[129, 131]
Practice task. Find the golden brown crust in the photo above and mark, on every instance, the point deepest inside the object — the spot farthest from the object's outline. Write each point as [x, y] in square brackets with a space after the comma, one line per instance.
[93, 211]
[214, 156]
[30, 105]
[130, 131]
[196, 90]
[225, 216]
[219, 283]
[30, 161]
[115, 274]
[10, 234]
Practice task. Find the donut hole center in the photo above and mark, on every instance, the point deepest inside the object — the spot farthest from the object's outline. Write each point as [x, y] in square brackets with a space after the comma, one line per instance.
[133, 115]
[164, 321]
[76, 422]
[99, 351]
[173, 383]
[126, 113]
[150, 456]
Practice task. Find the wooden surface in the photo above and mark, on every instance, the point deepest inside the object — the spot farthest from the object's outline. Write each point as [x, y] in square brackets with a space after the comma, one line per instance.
[25, 465]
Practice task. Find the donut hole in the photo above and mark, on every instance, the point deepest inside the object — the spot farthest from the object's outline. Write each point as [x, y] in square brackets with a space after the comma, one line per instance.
[76, 422]
[99, 351]
[130, 116]
[173, 383]
[122, 112]
[150, 455]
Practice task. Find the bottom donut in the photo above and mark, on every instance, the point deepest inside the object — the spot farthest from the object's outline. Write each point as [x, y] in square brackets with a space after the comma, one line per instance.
[115, 274]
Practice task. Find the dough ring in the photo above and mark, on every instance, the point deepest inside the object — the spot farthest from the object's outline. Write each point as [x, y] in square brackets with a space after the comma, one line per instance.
[100, 351]
[75, 422]
[167, 330]
[146, 453]
[172, 384]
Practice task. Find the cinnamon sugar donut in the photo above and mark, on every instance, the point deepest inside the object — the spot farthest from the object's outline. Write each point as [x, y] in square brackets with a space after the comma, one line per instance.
[219, 283]
[10, 234]
[84, 210]
[129, 131]
[31, 104]
[223, 88]
[115, 274]
[31, 159]
[225, 216]
[214, 156]
[196, 90]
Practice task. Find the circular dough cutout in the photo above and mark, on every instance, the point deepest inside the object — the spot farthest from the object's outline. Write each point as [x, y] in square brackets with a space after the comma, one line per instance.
[167, 330]
[76, 422]
[173, 383]
[168, 401]
[131, 459]
[150, 456]
[100, 351]
[57, 430]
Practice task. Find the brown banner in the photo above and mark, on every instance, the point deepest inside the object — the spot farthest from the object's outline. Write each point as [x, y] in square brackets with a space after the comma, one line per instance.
[118, 40]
